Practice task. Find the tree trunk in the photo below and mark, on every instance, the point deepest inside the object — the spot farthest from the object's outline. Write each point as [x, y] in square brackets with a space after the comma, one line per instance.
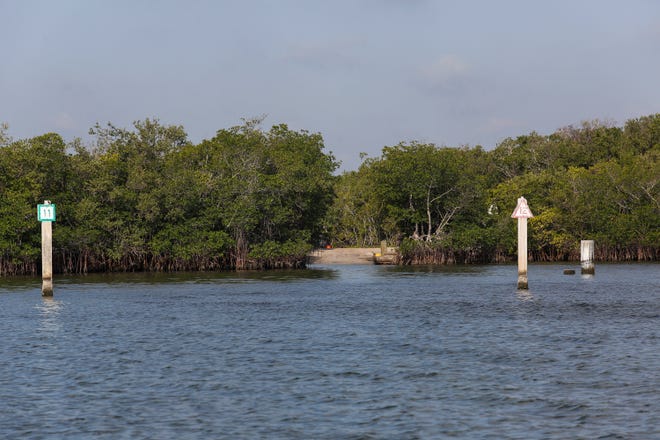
[241, 250]
[428, 213]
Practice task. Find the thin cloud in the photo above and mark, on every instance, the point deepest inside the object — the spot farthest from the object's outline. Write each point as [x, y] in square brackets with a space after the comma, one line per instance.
[444, 71]
[64, 121]
[333, 54]
[495, 124]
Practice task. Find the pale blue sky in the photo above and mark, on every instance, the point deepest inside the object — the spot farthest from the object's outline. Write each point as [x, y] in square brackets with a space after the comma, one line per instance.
[364, 73]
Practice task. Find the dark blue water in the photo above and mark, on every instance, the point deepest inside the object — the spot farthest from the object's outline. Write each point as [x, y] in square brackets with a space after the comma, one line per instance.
[355, 352]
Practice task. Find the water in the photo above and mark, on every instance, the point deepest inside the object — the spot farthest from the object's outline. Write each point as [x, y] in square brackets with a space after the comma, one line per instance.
[354, 352]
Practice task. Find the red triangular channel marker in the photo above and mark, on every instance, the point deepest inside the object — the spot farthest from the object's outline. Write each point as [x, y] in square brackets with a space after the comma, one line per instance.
[522, 210]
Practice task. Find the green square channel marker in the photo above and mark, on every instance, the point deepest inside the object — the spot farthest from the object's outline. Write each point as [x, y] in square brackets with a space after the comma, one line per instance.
[46, 213]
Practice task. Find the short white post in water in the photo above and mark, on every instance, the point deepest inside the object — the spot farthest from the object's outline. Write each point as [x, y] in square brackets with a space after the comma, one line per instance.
[522, 213]
[587, 257]
[46, 215]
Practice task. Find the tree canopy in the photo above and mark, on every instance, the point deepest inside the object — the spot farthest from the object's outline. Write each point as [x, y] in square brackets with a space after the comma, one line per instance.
[146, 198]
[595, 181]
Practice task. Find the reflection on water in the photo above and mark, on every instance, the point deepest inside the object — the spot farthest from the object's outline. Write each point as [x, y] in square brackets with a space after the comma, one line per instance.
[49, 314]
[524, 295]
[449, 269]
[159, 278]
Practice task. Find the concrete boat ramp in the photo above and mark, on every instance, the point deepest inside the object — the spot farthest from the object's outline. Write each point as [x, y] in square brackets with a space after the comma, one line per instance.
[342, 256]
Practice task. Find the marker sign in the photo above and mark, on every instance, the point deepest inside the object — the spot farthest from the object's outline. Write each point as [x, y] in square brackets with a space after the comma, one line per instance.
[522, 210]
[46, 213]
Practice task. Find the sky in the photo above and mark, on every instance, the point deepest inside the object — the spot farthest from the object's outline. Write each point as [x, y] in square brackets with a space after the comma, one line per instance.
[363, 73]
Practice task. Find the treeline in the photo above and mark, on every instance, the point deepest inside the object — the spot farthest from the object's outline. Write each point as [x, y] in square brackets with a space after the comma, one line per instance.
[149, 199]
[446, 205]
[146, 198]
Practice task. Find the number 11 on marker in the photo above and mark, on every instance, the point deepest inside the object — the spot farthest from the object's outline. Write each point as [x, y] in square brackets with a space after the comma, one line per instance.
[46, 212]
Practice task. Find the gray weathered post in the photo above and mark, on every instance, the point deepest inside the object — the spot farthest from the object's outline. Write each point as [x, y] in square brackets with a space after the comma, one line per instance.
[47, 258]
[522, 253]
[46, 215]
[587, 257]
[522, 213]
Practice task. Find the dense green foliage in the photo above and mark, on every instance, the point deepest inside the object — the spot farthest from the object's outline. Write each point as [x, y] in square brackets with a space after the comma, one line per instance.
[148, 199]
[444, 204]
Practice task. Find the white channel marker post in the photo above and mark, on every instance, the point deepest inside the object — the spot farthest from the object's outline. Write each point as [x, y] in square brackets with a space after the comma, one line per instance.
[46, 215]
[587, 257]
[522, 213]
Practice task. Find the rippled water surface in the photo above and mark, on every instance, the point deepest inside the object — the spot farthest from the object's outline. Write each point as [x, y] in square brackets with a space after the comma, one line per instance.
[334, 352]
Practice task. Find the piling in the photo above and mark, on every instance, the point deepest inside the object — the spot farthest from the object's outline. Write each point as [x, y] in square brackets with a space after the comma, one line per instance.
[46, 259]
[46, 215]
[587, 257]
[522, 213]
[522, 254]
